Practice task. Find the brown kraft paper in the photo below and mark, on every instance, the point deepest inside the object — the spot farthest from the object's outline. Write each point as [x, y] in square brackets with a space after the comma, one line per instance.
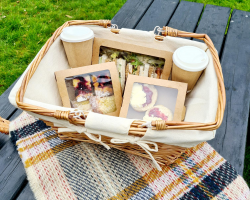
[179, 111]
[62, 87]
[181, 75]
[78, 53]
[167, 55]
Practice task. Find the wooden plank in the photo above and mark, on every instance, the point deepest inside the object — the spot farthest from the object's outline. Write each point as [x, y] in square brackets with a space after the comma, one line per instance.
[3, 139]
[16, 114]
[186, 16]
[26, 194]
[158, 14]
[6, 109]
[131, 13]
[12, 173]
[230, 139]
[214, 22]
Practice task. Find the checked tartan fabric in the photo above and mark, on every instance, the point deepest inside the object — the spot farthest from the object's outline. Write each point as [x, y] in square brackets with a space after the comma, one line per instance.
[58, 169]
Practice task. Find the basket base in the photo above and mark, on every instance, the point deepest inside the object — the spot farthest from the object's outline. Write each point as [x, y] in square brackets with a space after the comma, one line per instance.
[166, 155]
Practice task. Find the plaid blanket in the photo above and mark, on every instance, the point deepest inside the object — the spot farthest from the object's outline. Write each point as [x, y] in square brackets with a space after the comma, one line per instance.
[58, 169]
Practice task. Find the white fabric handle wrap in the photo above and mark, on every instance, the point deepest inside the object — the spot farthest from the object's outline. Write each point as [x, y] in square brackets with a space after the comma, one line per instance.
[109, 124]
[143, 144]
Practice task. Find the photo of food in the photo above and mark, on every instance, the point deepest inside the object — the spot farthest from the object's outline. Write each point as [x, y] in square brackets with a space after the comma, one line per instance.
[146, 103]
[92, 92]
[132, 63]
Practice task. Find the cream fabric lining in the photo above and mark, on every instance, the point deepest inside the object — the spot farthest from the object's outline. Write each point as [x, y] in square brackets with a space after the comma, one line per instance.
[108, 124]
[201, 103]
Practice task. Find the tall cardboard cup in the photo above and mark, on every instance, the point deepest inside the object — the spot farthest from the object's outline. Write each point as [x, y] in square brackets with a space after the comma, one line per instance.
[188, 64]
[78, 44]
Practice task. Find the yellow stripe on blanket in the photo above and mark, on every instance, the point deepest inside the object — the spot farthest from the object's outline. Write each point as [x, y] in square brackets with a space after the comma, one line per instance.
[48, 153]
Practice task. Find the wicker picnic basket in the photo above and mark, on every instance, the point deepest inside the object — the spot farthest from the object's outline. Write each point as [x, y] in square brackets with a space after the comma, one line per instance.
[167, 154]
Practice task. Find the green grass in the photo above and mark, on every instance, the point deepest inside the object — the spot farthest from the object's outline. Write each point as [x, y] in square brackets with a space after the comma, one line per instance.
[25, 27]
[233, 4]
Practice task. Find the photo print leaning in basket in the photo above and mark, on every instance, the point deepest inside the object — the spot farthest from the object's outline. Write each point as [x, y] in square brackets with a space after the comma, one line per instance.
[93, 88]
[153, 100]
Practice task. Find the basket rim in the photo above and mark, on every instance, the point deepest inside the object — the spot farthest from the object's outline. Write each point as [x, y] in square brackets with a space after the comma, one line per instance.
[136, 127]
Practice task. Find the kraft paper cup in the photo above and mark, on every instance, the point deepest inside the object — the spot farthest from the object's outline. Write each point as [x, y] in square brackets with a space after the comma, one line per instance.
[188, 64]
[78, 44]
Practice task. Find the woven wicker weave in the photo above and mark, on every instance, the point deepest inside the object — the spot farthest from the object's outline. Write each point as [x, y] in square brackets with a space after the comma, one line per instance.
[4, 126]
[167, 153]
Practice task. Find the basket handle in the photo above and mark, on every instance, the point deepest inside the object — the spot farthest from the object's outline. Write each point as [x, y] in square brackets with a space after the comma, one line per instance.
[167, 31]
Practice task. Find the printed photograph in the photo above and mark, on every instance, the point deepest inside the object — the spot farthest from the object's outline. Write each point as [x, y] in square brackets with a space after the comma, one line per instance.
[151, 102]
[92, 92]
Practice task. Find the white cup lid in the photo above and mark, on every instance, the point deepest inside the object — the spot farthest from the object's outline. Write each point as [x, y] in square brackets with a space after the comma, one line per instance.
[190, 58]
[76, 34]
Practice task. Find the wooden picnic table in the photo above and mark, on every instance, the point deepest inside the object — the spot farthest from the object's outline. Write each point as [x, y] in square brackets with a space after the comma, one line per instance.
[233, 48]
